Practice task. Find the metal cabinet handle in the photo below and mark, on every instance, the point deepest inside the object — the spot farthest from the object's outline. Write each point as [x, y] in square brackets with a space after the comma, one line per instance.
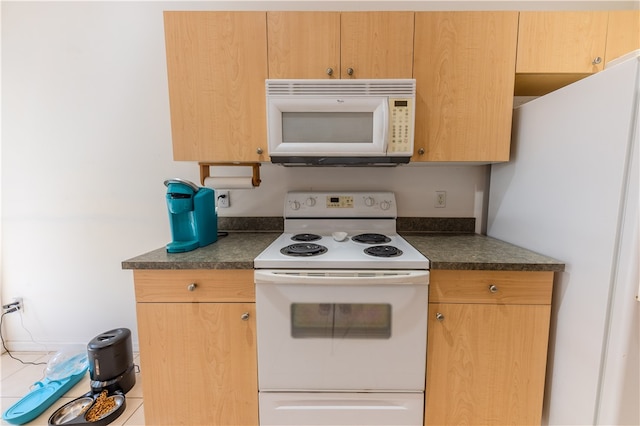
[439, 316]
[493, 288]
[421, 151]
[192, 286]
[329, 71]
[350, 71]
[245, 316]
[597, 60]
[259, 151]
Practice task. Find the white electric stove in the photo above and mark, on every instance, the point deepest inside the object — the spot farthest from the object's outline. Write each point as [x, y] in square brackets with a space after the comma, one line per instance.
[341, 314]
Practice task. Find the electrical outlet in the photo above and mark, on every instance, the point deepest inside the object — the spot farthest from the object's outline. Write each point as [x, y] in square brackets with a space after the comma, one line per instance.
[441, 199]
[223, 199]
[16, 305]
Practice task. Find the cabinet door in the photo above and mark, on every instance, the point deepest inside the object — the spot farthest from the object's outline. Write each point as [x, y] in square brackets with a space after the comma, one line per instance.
[198, 363]
[377, 44]
[216, 66]
[561, 42]
[486, 364]
[463, 65]
[304, 44]
[623, 33]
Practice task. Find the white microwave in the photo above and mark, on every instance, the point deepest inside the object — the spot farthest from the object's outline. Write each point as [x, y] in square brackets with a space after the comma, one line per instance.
[340, 122]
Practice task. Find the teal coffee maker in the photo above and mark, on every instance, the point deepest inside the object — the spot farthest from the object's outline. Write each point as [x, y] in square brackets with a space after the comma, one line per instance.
[192, 215]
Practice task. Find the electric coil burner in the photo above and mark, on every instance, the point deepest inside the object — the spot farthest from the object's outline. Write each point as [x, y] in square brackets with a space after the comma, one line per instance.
[383, 251]
[306, 237]
[303, 249]
[371, 238]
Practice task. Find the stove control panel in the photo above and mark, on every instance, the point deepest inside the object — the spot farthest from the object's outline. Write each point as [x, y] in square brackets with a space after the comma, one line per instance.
[340, 201]
[340, 204]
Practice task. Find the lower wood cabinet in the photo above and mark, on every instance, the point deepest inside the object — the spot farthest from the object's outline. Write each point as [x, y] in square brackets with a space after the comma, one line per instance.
[197, 337]
[487, 347]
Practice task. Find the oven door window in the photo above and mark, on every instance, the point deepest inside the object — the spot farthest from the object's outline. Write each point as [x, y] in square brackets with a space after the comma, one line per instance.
[341, 320]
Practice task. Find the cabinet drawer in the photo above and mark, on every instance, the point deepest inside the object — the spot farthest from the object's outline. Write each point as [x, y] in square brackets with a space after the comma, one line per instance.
[502, 287]
[194, 285]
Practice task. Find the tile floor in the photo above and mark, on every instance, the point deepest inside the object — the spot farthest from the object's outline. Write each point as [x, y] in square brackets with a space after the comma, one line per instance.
[16, 380]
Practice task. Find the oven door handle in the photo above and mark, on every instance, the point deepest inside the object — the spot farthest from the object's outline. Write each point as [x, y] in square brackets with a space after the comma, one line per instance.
[341, 277]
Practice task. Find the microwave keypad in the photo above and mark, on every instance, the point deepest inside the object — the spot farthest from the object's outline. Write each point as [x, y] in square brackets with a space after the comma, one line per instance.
[400, 125]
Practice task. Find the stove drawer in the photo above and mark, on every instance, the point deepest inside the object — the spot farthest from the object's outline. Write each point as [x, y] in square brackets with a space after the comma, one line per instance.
[503, 287]
[341, 409]
[194, 285]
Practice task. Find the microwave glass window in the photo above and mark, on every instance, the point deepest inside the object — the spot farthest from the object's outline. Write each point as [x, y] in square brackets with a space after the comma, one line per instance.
[331, 127]
[341, 320]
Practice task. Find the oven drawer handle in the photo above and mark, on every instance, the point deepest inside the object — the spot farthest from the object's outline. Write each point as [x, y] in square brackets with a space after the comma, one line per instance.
[340, 405]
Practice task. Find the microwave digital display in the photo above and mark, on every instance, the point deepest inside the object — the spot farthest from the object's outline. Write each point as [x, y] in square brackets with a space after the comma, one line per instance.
[400, 103]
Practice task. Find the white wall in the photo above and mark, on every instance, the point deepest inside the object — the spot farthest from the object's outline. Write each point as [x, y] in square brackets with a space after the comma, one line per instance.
[414, 185]
[86, 146]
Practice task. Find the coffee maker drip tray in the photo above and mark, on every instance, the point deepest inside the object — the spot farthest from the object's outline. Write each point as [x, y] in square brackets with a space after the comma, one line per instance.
[182, 246]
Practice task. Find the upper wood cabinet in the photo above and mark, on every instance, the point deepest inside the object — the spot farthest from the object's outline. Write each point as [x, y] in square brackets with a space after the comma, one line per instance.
[561, 42]
[340, 45]
[377, 44]
[303, 44]
[558, 48]
[216, 66]
[623, 33]
[464, 69]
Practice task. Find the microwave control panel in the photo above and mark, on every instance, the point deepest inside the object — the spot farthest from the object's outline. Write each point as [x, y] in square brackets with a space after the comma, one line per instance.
[401, 119]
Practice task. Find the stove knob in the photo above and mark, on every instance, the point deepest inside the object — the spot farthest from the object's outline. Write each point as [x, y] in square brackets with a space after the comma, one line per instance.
[310, 202]
[385, 205]
[295, 205]
[369, 201]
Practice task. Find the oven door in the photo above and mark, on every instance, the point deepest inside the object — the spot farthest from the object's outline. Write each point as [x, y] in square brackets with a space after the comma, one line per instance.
[341, 330]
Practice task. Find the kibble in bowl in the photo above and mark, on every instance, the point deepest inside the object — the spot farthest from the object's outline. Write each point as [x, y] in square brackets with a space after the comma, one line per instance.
[103, 406]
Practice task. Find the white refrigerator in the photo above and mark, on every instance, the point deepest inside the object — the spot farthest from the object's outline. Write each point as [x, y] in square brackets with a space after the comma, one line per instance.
[570, 191]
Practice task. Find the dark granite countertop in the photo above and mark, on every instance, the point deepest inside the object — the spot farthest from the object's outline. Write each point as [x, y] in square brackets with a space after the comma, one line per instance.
[478, 252]
[235, 251]
[445, 251]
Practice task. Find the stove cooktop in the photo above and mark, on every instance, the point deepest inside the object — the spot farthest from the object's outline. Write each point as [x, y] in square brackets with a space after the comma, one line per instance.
[343, 230]
[327, 252]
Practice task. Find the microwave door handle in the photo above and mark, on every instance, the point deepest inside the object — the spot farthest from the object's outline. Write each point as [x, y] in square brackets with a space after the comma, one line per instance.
[385, 125]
